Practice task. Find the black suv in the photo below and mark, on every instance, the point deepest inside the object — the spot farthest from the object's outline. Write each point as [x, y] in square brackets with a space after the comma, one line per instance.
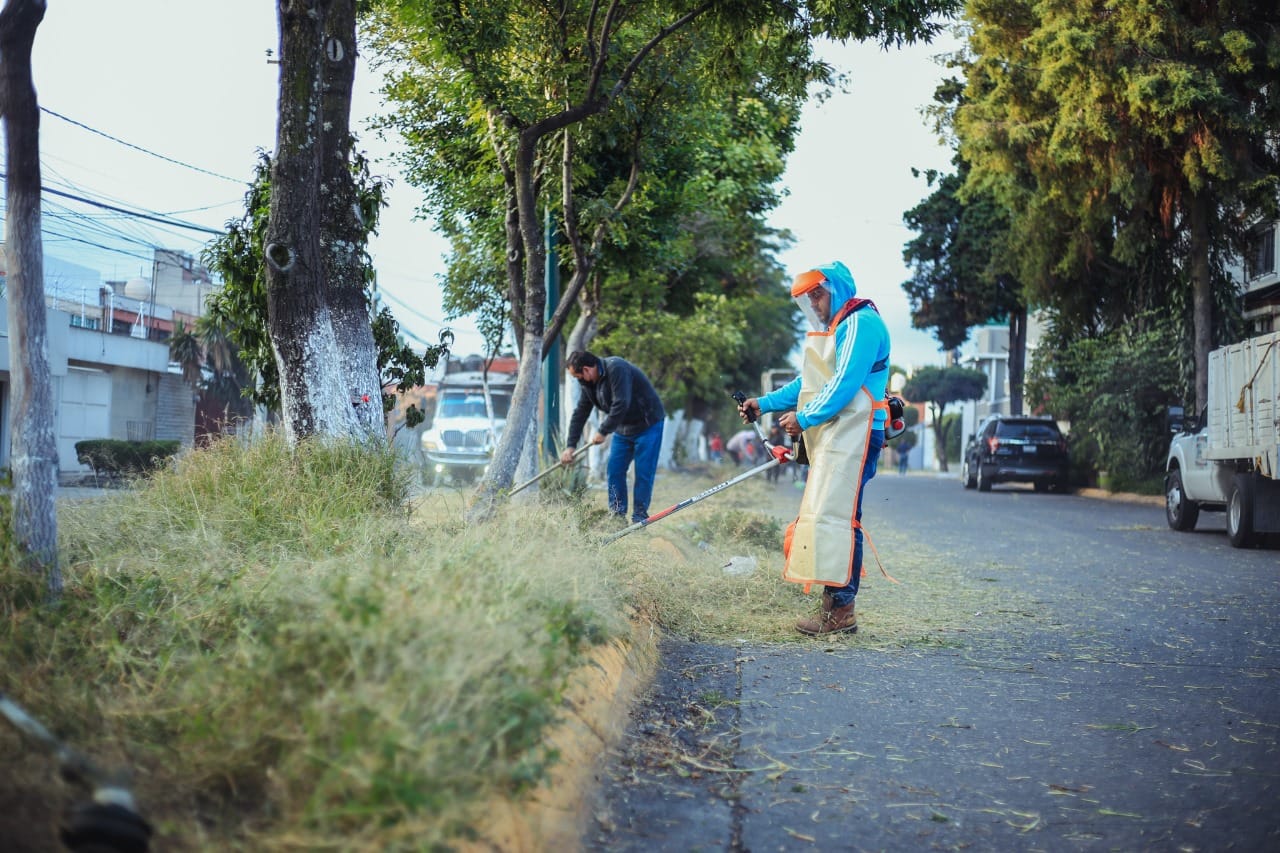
[1016, 449]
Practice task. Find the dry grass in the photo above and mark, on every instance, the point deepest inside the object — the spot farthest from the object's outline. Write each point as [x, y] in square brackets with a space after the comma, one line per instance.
[676, 570]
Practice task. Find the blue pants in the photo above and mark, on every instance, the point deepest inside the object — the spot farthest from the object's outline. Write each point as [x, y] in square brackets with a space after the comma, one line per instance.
[643, 448]
[844, 595]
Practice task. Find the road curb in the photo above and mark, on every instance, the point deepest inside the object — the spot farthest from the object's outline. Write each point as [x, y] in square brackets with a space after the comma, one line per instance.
[598, 704]
[1127, 497]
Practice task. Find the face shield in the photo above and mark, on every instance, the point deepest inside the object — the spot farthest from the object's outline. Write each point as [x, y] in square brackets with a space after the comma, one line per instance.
[813, 299]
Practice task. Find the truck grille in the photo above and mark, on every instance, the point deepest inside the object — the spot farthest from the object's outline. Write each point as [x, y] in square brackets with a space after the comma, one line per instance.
[455, 438]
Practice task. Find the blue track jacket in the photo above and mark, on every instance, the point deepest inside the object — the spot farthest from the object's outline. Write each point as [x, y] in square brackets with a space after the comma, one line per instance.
[855, 357]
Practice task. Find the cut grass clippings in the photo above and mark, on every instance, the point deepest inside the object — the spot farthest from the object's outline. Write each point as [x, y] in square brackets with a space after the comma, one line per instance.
[677, 570]
[291, 653]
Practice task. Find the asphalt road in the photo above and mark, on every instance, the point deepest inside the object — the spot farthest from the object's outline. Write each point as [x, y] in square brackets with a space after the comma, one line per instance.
[1137, 707]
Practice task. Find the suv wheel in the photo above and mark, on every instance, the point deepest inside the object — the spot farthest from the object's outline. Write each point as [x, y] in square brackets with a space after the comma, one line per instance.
[966, 475]
[984, 479]
[1179, 511]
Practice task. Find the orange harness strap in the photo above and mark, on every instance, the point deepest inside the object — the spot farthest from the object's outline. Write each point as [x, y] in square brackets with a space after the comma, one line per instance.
[857, 525]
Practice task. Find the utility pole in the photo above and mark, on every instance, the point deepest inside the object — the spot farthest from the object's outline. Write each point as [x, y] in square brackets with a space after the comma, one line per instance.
[551, 357]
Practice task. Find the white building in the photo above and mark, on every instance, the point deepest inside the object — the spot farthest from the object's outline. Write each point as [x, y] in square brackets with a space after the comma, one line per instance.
[109, 360]
[987, 350]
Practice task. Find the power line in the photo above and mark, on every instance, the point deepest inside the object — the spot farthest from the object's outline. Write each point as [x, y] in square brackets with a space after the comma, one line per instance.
[382, 290]
[116, 250]
[173, 223]
[140, 148]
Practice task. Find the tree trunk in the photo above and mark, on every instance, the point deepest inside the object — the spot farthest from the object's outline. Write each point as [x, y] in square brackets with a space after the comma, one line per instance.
[313, 399]
[585, 329]
[34, 449]
[1202, 294]
[1017, 358]
[522, 413]
[524, 399]
[939, 436]
[343, 233]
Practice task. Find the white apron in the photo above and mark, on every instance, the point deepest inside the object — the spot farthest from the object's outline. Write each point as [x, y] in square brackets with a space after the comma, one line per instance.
[819, 543]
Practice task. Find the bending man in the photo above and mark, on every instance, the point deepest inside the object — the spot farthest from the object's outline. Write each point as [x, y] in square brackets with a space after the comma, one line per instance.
[839, 414]
[632, 412]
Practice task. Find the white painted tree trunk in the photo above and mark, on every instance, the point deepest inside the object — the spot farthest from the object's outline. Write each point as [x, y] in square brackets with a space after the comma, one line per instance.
[314, 399]
[343, 234]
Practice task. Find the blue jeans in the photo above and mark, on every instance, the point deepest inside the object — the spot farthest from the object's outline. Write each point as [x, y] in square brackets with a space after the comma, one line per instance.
[844, 595]
[643, 448]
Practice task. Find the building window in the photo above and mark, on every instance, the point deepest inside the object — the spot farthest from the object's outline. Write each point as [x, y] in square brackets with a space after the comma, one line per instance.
[84, 322]
[1261, 257]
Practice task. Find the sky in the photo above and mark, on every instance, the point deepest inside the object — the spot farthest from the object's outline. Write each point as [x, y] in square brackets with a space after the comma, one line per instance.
[189, 83]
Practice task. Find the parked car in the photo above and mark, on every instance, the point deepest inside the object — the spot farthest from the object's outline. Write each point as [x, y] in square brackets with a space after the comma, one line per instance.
[1009, 449]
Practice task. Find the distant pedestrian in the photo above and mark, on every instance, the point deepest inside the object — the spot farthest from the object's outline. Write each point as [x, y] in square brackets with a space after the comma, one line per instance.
[716, 447]
[903, 462]
[741, 447]
[633, 414]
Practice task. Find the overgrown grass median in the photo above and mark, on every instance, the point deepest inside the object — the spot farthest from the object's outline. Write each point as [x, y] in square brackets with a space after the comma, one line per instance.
[291, 653]
[287, 659]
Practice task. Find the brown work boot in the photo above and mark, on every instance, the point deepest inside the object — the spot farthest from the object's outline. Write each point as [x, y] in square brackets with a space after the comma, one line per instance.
[830, 620]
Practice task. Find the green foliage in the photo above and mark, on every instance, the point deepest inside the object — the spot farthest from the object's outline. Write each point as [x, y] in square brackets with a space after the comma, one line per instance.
[227, 377]
[184, 348]
[239, 308]
[9, 553]
[723, 345]
[1115, 390]
[956, 283]
[111, 457]
[950, 432]
[1131, 143]
[939, 387]
[707, 119]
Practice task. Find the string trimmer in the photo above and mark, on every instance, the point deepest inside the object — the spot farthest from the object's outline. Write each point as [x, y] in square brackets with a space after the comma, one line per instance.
[778, 456]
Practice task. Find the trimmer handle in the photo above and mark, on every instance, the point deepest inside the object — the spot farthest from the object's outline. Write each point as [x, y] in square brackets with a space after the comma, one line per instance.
[739, 397]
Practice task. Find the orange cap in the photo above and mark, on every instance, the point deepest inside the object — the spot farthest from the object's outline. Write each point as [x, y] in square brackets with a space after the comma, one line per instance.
[807, 281]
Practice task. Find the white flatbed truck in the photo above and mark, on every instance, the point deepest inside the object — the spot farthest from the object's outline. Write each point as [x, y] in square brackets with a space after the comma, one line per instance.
[1228, 460]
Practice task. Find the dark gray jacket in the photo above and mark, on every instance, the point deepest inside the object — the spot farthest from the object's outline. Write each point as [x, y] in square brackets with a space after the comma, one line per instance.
[624, 394]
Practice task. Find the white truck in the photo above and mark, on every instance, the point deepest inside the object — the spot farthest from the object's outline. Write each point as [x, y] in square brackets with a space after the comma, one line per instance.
[1226, 460]
[470, 412]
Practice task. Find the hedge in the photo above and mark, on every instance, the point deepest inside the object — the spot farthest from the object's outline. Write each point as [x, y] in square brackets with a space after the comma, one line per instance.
[111, 457]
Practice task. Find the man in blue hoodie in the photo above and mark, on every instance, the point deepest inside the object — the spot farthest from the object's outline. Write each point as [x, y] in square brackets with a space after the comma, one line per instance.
[836, 408]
